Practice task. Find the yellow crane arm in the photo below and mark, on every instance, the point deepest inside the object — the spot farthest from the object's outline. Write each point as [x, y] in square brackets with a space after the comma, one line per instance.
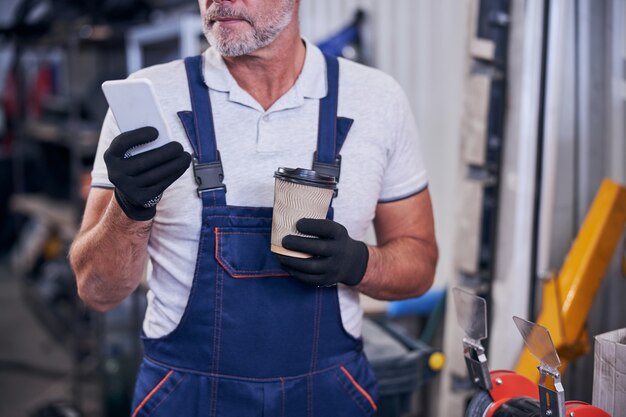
[567, 297]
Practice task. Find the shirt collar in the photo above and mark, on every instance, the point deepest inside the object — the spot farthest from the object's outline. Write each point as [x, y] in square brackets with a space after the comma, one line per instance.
[311, 82]
[216, 74]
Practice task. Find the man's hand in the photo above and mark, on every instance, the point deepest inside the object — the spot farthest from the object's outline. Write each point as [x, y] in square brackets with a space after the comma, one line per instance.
[141, 179]
[336, 256]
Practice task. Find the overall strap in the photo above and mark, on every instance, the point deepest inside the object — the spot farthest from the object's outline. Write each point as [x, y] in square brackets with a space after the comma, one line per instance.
[200, 129]
[332, 130]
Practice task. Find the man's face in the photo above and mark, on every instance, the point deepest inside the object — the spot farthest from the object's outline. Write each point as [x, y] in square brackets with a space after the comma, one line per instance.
[240, 27]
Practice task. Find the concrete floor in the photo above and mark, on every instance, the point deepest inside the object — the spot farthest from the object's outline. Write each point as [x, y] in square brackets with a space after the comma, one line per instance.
[34, 369]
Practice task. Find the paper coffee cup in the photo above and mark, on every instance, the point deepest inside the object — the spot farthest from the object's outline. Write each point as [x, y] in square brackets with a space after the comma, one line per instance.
[298, 193]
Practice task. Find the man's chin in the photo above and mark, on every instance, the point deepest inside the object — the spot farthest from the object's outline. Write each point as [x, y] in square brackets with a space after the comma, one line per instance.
[234, 50]
[229, 47]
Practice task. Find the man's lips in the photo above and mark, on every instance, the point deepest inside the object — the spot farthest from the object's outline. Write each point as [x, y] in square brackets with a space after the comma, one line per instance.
[227, 20]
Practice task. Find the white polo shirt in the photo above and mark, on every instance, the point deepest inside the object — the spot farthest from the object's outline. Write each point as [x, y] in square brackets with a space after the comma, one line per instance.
[381, 162]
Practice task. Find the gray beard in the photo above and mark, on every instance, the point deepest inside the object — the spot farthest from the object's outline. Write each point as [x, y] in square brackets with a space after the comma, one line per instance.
[227, 44]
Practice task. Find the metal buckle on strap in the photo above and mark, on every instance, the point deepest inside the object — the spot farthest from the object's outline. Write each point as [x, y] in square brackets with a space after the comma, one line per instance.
[334, 169]
[209, 176]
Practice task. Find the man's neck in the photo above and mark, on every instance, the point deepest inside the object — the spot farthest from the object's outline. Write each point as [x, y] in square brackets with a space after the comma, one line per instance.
[267, 74]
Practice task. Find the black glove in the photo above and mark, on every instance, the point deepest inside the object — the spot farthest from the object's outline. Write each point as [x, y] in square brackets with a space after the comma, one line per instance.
[336, 256]
[141, 179]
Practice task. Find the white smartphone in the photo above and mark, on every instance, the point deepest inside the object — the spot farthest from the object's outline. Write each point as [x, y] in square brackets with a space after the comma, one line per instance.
[134, 105]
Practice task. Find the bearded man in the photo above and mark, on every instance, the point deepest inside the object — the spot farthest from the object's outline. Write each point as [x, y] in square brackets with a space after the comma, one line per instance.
[231, 328]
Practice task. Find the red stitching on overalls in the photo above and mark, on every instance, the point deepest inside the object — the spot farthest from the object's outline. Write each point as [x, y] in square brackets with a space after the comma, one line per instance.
[355, 400]
[359, 387]
[168, 394]
[152, 392]
[221, 309]
[217, 331]
[215, 342]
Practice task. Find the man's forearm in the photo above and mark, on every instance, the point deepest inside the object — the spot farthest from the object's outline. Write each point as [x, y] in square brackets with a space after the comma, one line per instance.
[402, 268]
[109, 258]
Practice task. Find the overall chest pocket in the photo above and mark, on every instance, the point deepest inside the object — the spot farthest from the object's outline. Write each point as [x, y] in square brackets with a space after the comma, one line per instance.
[245, 253]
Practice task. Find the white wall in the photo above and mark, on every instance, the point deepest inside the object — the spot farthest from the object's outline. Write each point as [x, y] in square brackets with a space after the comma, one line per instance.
[422, 44]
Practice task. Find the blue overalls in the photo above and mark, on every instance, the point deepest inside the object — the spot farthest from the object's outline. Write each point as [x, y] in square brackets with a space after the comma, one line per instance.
[253, 341]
